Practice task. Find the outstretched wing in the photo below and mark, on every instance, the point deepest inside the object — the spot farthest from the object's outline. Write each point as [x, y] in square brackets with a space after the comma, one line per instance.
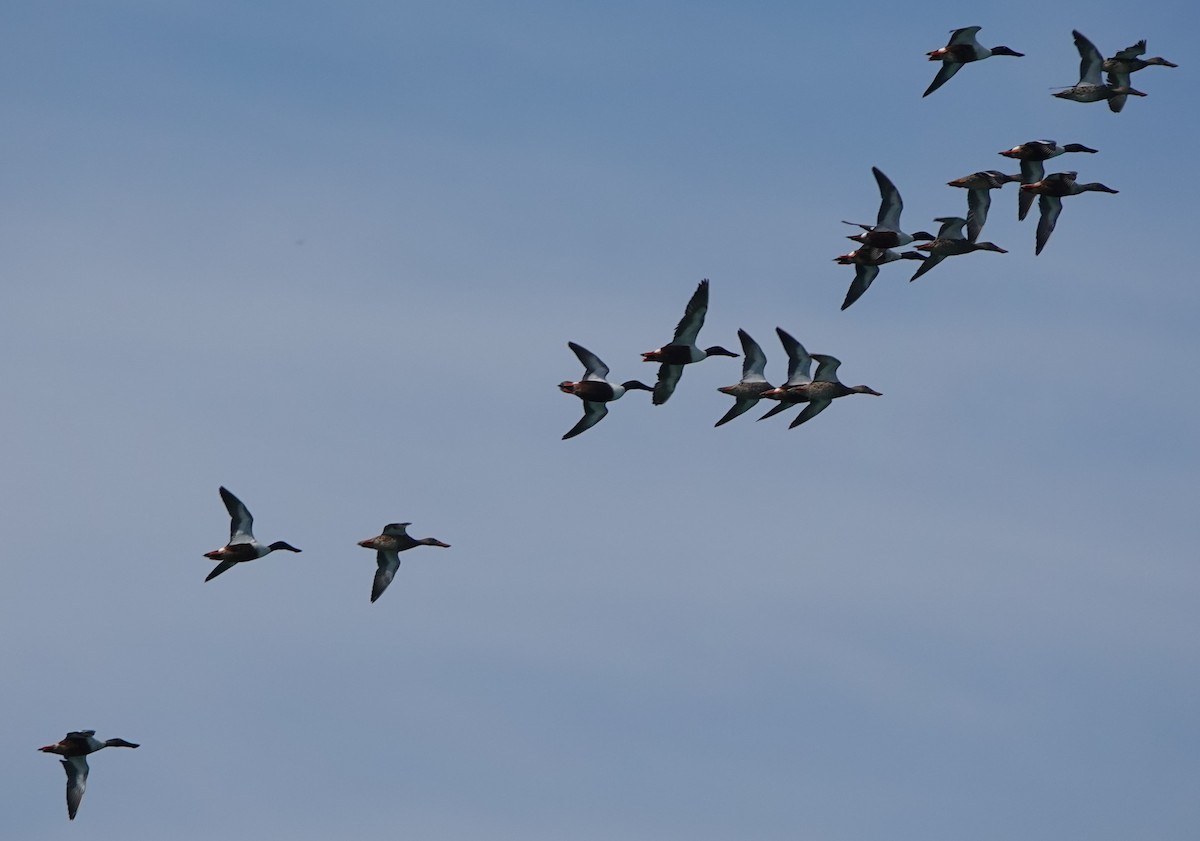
[1050, 207]
[220, 568]
[593, 412]
[978, 202]
[740, 407]
[593, 368]
[1090, 60]
[688, 328]
[1031, 173]
[810, 411]
[388, 562]
[754, 361]
[77, 774]
[241, 524]
[668, 378]
[948, 69]
[863, 276]
[930, 261]
[890, 204]
[799, 362]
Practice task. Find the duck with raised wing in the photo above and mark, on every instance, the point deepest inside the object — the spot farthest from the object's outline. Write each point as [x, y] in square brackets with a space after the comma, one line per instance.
[1050, 192]
[1089, 88]
[388, 547]
[799, 376]
[1032, 156]
[867, 261]
[979, 186]
[682, 350]
[753, 382]
[594, 390]
[1125, 62]
[75, 747]
[949, 242]
[886, 233]
[961, 49]
[823, 390]
[242, 546]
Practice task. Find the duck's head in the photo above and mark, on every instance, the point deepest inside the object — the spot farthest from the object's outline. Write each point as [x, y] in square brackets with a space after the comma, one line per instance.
[717, 350]
[433, 541]
[636, 385]
[864, 389]
[1127, 91]
[279, 544]
[1160, 61]
[990, 246]
[1006, 51]
[1078, 147]
[1096, 186]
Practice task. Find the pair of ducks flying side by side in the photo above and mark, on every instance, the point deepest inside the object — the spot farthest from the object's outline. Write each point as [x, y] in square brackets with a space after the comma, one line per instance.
[817, 391]
[1116, 88]
[597, 392]
[243, 547]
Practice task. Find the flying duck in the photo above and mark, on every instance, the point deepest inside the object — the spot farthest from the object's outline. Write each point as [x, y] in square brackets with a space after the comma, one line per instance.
[1089, 87]
[886, 231]
[594, 390]
[1050, 191]
[753, 383]
[950, 242]
[682, 350]
[867, 261]
[961, 49]
[823, 390]
[799, 376]
[979, 186]
[1032, 155]
[242, 546]
[1125, 62]
[388, 546]
[75, 747]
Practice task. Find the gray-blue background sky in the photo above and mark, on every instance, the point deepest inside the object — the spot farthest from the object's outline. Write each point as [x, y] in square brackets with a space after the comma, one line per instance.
[330, 255]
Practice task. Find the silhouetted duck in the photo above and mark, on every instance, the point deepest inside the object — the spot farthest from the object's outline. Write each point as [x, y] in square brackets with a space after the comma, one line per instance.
[1089, 88]
[950, 242]
[682, 350]
[388, 546]
[886, 233]
[1032, 155]
[1050, 191]
[979, 186]
[753, 382]
[75, 747]
[962, 49]
[1125, 62]
[594, 390]
[242, 546]
[867, 261]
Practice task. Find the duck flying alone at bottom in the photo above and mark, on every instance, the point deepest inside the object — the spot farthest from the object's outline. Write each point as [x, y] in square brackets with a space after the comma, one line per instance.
[242, 546]
[75, 747]
[388, 547]
[683, 350]
[594, 390]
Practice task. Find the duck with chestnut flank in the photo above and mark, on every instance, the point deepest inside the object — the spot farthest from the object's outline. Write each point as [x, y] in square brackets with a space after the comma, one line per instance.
[961, 49]
[1125, 62]
[866, 262]
[799, 376]
[1050, 192]
[886, 233]
[823, 390]
[682, 350]
[950, 242]
[1032, 155]
[979, 186]
[594, 390]
[753, 382]
[242, 546]
[75, 747]
[1089, 88]
[388, 547]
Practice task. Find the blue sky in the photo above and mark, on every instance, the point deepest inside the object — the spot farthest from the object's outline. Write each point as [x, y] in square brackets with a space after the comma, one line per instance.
[330, 256]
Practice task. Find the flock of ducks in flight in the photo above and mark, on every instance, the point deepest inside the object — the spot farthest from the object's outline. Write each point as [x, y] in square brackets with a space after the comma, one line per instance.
[813, 391]
[877, 246]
